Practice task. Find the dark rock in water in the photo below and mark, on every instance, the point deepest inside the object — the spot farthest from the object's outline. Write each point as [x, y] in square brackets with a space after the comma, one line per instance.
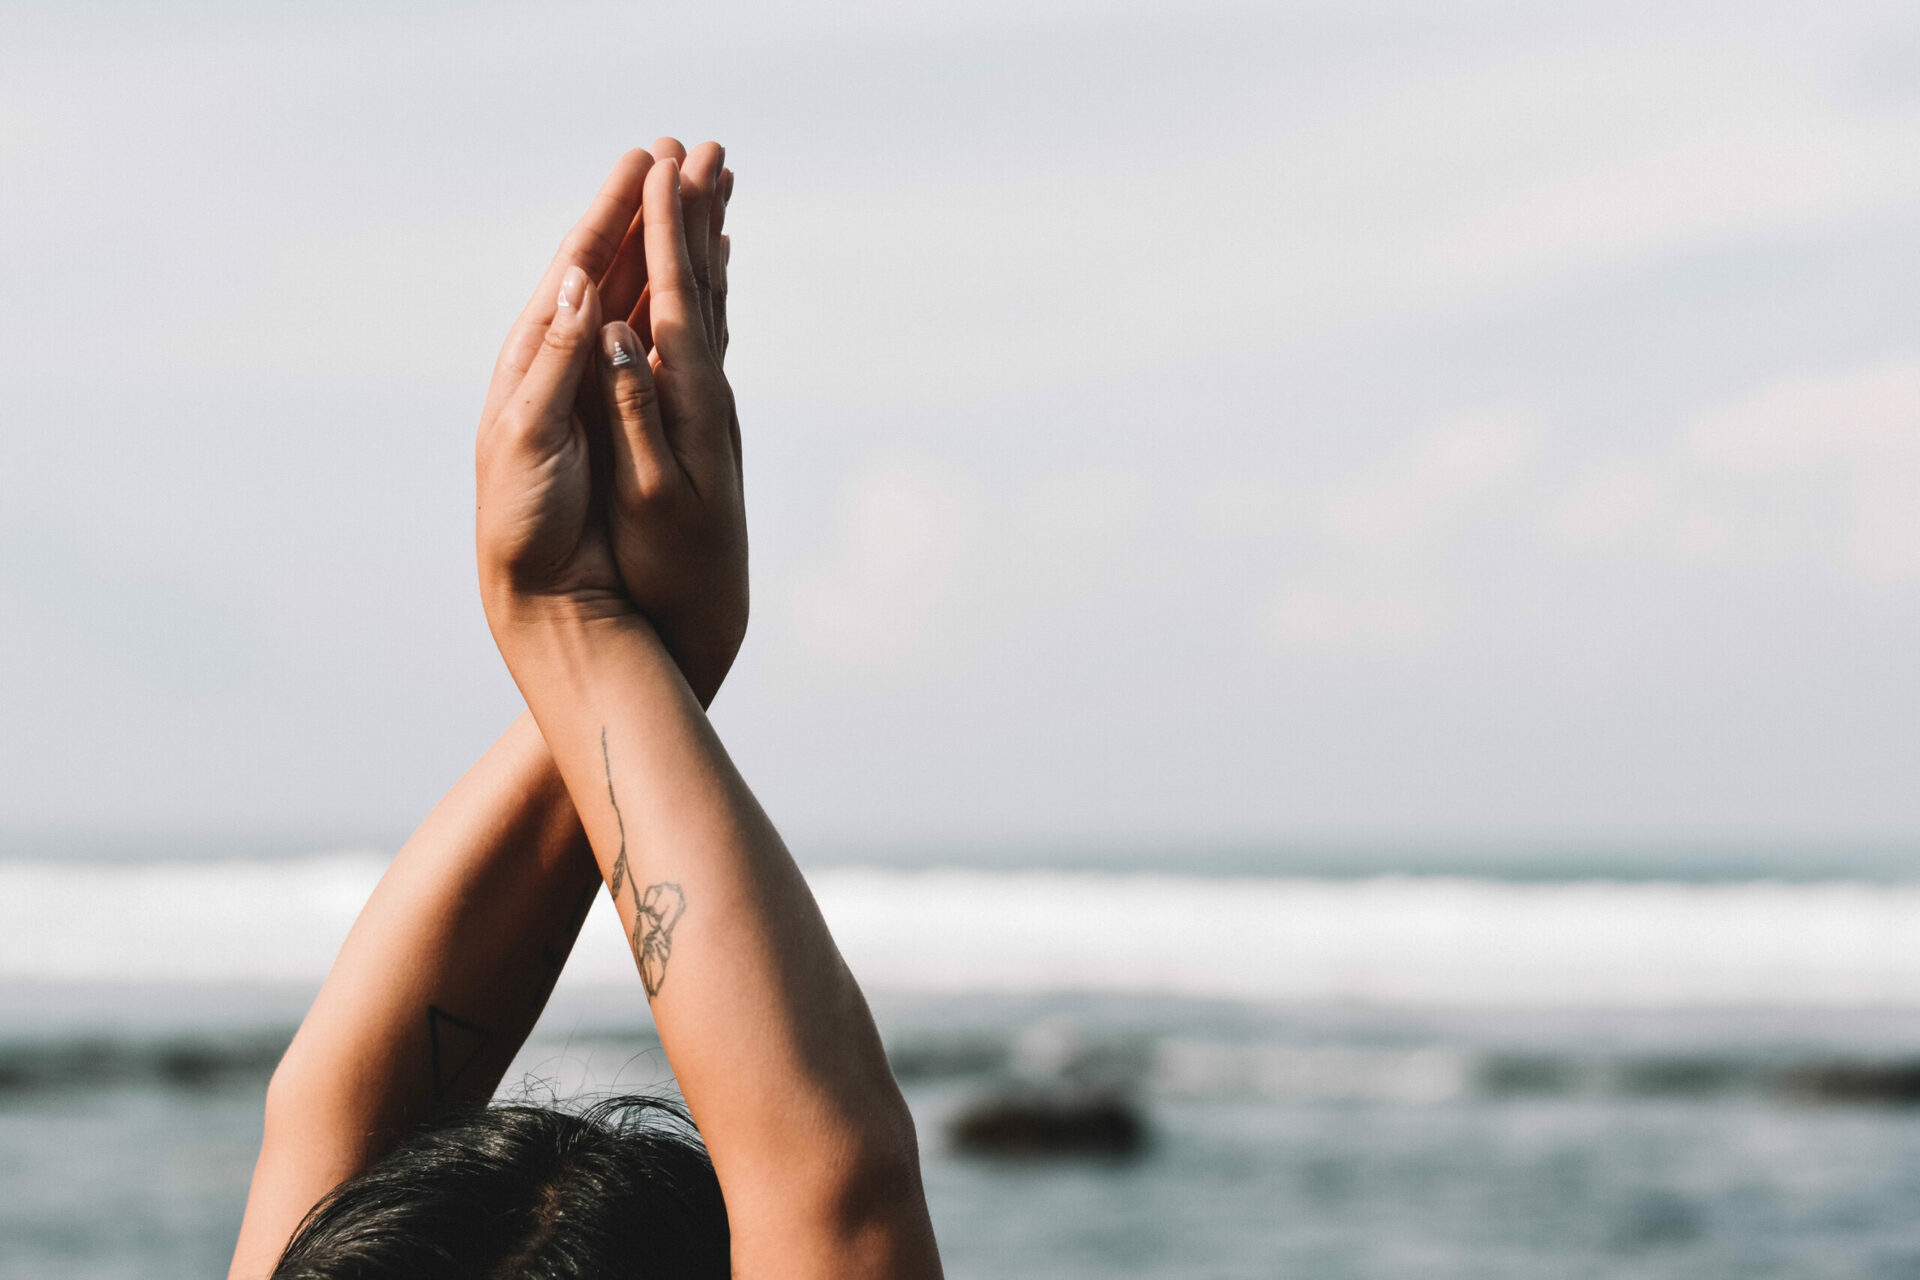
[1509, 1073]
[1041, 1123]
[1683, 1077]
[186, 1062]
[1896, 1083]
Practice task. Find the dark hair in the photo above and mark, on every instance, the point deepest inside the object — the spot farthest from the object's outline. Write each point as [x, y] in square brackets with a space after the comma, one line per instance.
[621, 1188]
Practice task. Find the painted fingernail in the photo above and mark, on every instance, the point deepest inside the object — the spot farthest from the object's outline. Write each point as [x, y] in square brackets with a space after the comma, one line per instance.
[573, 286]
[726, 185]
[617, 341]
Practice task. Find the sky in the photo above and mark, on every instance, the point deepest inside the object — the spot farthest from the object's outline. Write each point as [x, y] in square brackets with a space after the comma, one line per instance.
[1166, 424]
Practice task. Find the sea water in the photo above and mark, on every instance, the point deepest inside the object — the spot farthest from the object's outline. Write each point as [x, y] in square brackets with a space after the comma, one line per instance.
[1340, 1077]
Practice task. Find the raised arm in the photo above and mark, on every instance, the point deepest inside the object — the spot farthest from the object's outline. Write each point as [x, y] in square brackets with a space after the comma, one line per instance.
[763, 1023]
[449, 963]
[437, 985]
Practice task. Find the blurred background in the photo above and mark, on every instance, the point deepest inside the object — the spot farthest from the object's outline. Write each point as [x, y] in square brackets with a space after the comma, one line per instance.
[1336, 586]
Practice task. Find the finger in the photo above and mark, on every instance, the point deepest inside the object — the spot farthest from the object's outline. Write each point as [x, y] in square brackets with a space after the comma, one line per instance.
[679, 336]
[641, 460]
[699, 197]
[545, 395]
[595, 240]
[720, 298]
[717, 266]
[626, 276]
[723, 255]
[591, 245]
[641, 320]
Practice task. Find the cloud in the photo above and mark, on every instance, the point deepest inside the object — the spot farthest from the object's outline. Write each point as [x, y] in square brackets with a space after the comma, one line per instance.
[1754, 149]
[916, 539]
[903, 529]
[1436, 479]
[1661, 509]
[1281, 231]
[928, 561]
[1740, 484]
[1821, 467]
[1379, 577]
[1868, 414]
[1865, 424]
[1432, 191]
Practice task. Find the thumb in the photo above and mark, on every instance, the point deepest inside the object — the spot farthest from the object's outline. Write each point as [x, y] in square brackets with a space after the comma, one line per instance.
[566, 349]
[642, 462]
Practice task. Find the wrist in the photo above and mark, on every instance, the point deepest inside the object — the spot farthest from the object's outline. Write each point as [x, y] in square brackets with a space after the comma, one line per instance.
[577, 667]
[531, 628]
[511, 608]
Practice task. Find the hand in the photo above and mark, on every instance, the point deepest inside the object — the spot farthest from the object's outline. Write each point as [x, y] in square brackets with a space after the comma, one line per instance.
[676, 512]
[540, 531]
[657, 420]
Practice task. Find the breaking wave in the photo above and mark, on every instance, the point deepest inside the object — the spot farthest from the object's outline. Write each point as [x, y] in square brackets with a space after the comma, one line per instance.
[1416, 941]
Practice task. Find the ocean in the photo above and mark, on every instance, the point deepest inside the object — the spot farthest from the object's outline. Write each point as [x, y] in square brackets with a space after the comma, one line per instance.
[1358, 1075]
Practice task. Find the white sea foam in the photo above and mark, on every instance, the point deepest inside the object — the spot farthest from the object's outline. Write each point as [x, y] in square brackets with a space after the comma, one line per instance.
[1414, 941]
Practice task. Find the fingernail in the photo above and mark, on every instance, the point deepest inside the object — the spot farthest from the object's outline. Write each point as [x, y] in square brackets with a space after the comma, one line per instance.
[573, 286]
[674, 167]
[617, 341]
[726, 185]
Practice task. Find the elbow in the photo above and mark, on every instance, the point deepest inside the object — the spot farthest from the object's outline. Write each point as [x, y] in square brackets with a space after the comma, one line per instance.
[877, 1182]
[285, 1088]
[877, 1215]
[297, 1093]
[290, 1088]
[289, 1098]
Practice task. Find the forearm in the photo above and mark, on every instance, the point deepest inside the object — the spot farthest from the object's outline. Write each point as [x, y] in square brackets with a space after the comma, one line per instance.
[765, 1027]
[435, 988]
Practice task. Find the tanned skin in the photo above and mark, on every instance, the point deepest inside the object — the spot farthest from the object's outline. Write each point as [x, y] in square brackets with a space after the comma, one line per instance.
[611, 542]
